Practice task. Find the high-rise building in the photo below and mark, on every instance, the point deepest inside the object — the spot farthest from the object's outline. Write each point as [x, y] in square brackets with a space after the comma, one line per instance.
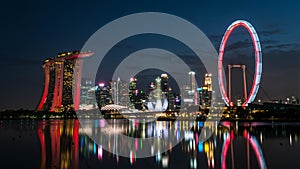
[199, 90]
[208, 81]
[132, 91]
[164, 83]
[206, 101]
[177, 102]
[132, 88]
[158, 94]
[206, 92]
[86, 92]
[123, 94]
[120, 92]
[151, 87]
[187, 97]
[171, 99]
[139, 99]
[158, 83]
[62, 82]
[115, 90]
[192, 82]
[189, 94]
[136, 97]
[103, 95]
[167, 91]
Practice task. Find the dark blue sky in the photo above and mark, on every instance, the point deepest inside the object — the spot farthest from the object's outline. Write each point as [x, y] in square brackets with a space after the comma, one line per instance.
[33, 31]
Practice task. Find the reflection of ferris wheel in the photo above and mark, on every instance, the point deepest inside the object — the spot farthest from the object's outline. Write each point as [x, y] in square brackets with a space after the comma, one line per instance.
[251, 140]
[258, 61]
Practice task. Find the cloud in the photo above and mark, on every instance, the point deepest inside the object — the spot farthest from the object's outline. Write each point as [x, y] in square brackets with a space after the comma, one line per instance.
[283, 46]
[268, 41]
[269, 32]
[238, 45]
[215, 37]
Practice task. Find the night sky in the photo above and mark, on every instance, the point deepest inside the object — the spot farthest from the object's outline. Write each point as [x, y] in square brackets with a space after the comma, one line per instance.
[36, 30]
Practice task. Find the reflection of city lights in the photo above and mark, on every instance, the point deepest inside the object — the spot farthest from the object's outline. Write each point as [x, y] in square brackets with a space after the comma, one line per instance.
[193, 163]
[206, 147]
[152, 150]
[136, 144]
[191, 144]
[102, 123]
[178, 135]
[215, 143]
[132, 157]
[101, 84]
[196, 138]
[200, 147]
[95, 148]
[158, 156]
[100, 152]
[165, 161]
[188, 135]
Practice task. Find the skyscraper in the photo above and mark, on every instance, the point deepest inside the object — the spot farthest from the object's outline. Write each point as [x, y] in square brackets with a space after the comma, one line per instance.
[164, 83]
[132, 89]
[86, 97]
[208, 81]
[115, 90]
[103, 95]
[120, 92]
[206, 95]
[158, 94]
[192, 83]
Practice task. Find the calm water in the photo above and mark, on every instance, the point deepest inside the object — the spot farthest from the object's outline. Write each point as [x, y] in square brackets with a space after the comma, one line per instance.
[63, 144]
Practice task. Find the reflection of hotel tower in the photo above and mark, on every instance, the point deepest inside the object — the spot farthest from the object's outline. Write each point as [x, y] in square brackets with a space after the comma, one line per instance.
[55, 151]
[58, 85]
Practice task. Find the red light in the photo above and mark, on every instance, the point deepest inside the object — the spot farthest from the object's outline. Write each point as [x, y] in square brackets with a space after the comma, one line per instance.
[101, 84]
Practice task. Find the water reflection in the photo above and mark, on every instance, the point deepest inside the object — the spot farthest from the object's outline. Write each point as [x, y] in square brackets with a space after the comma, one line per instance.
[64, 144]
[59, 144]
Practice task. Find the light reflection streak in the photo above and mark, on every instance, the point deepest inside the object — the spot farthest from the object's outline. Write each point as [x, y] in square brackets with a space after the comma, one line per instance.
[62, 142]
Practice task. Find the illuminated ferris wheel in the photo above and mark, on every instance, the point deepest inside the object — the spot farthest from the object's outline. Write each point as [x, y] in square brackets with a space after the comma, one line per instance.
[258, 61]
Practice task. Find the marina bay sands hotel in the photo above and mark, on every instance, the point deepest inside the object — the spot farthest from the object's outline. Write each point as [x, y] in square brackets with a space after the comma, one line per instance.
[59, 86]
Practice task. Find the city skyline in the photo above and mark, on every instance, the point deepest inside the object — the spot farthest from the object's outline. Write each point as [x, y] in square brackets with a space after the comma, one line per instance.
[167, 84]
[34, 32]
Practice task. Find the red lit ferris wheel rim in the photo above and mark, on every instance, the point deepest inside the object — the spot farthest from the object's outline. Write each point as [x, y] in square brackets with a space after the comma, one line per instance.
[258, 61]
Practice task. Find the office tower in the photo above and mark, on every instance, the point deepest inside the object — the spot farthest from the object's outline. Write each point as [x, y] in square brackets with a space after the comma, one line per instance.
[164, 83]
[208, 81]
[103, 95]
[132, 91]
[86, 92]
[193, 87]
[206, 91]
